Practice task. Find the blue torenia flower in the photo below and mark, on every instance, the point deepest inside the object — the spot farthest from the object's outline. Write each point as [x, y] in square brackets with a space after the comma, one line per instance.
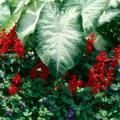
[9, 113]
[21, 106]
[70, 114]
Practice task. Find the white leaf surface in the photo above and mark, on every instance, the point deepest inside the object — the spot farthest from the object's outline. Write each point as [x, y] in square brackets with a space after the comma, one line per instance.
[58, 38]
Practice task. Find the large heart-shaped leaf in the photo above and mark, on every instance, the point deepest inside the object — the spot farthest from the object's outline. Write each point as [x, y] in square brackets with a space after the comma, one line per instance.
[4, 14]
[1, 1]
[100, 43]
[58, 37]
[108, 15]
[114, 3]
[29, 18]
[74, 2]
[45, 1]
[8, 18]
[91, 12]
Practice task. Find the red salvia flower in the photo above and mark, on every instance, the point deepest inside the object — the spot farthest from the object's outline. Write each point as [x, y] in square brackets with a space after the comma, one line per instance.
[114, 62]
[102, 73]
[17, 79]
[116, 52]
[90, 43]
[73, 84]
[12, 90]
[79, 83]
[39, 70]
[33, 74]
[102, 57]
[18, 48]
[12, 34]
[43, 76]
[10, 43]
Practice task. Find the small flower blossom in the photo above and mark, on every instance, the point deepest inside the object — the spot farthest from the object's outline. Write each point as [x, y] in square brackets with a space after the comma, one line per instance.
[21, 106]
[9, 113]
[90, 43]
[40, 70]
[102, 57]
[70, 115]
[18, 48]
[12, 90]
[102, 73]
[74, 83]
[17, 79]
[116, 52]
[114, 63]
[79, 83]
[10, 43]
[43, 76]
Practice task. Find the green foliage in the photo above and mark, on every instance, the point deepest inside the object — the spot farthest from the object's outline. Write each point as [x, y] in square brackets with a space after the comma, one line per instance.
[57, 30]
[44, 102]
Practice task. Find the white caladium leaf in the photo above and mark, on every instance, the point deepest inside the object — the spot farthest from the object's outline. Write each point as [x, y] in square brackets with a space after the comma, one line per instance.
[100, 42]
[58, 37]
[73, 2]
[108, 15]
[29, 18]
[4, 14]
[91, 12]
[47, 0]
[114, 3]
[18, 10]
[9, 19]
[16, 3]
[2, 1]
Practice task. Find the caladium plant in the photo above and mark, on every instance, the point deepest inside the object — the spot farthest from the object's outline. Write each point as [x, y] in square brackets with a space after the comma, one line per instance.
[59, 36]
[59, 59]
[59, 27]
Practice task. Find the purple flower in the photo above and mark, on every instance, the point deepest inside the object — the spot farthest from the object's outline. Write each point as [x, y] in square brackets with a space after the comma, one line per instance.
[9, 113]
[71, 110]
[69, 119]
[70, 114]
[21, 106]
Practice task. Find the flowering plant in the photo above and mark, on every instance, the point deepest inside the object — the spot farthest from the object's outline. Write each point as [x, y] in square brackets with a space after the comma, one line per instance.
[55, 63]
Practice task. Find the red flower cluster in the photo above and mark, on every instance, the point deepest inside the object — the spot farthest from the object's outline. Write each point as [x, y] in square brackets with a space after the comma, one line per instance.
[102, 73]
[116, 52]
[90, 43]
[74, 83]
[102, 58]
[10, 43]
[12, 90]
[16, 81]
[39, 70]
[114, 62]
